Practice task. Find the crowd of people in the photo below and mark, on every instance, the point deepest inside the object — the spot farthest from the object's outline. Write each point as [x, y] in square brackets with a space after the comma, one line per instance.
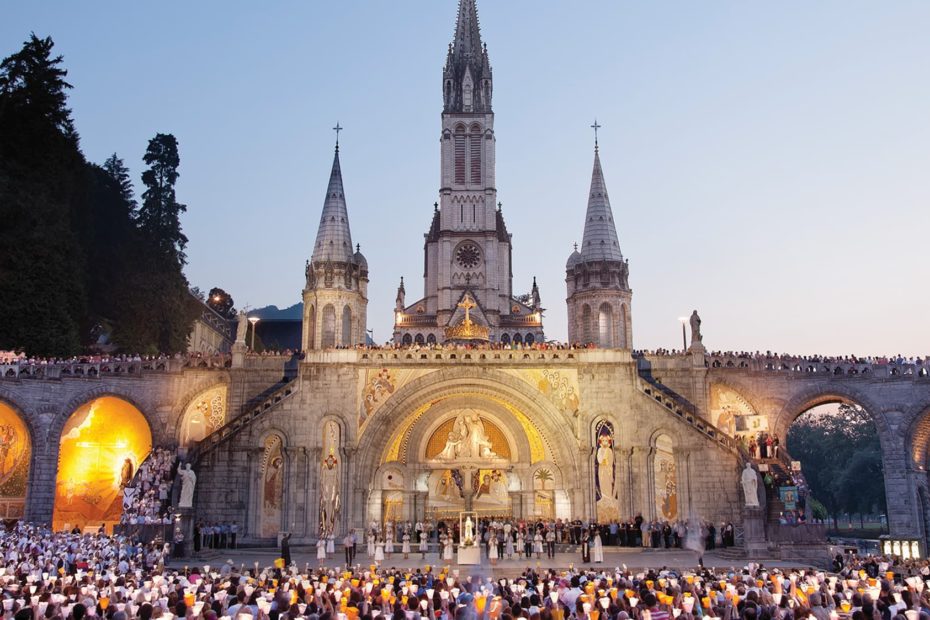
[209, 535]
[194, 358]
[60, 576]
[147, 495]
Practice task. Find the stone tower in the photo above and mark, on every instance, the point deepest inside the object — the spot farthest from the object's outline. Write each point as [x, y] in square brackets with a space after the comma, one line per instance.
[596, 278]
[467, 249]
[336, 290]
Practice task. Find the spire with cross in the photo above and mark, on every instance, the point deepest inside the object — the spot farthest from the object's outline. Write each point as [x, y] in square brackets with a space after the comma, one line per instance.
[595, 127]
[337, 129]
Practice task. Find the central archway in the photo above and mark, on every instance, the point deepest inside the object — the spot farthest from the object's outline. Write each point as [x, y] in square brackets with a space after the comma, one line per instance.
[406, 441]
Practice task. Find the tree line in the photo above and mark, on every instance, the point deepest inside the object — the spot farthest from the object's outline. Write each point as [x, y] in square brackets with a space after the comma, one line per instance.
[81, 256]
[841, 458]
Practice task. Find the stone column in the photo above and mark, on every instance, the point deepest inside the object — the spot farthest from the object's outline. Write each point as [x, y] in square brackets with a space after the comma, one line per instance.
[314, 456]
[252, 526]
[624, 482]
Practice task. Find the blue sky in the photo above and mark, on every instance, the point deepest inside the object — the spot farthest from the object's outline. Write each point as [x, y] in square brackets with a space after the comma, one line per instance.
[768, 163]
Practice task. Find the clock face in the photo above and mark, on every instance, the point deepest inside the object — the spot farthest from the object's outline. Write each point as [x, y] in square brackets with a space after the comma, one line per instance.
[468, 256]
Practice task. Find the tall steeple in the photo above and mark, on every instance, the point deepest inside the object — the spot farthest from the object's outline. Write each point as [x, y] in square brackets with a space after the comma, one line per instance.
[466, 78]
[333, 239]
[600, 240]
[335, 294]
[596, 278]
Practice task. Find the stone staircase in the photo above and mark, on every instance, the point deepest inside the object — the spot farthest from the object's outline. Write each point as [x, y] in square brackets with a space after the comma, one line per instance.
[253, 410]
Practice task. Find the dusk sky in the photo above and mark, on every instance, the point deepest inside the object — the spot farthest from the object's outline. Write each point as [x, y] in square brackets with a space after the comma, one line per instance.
[767, 163]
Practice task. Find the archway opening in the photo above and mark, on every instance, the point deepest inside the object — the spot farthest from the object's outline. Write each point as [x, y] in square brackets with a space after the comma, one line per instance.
[102, 445]
[15, 454]
[204, 414]
[605, 320]
[835, 451]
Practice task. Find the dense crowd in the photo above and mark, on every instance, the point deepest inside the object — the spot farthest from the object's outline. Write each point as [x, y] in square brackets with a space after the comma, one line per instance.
[22, 360]
[147, 495]
[73, 577]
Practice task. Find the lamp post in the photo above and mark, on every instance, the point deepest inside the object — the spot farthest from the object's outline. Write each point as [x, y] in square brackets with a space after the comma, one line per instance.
[253, 320]
[684, 336]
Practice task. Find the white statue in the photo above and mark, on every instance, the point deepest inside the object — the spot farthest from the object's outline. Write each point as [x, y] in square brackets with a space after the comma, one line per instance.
[750, 486]
[467, 439]
[242, 327]
[469, 536]
[188, 481]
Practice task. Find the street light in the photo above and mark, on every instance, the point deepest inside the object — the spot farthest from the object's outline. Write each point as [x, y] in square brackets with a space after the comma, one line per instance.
[684, 336]
[253, 320]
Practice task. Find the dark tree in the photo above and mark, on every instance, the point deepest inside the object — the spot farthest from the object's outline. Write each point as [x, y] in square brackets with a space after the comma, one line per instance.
[221, 302]
[118, 171]
[160, 214]
[42, 296]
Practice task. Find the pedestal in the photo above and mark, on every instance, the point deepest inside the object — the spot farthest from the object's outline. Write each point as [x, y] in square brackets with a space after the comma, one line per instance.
[754, 531]
[238, 355]
[469, 555]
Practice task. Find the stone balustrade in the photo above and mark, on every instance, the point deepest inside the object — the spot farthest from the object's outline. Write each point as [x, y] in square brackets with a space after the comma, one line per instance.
[426, 356]
[822, 368]
[109, 368]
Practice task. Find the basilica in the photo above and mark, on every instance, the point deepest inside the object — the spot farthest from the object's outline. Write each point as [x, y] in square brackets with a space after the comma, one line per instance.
[465, 412]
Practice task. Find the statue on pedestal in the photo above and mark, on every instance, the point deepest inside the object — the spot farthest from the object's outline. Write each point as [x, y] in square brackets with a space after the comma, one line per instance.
[750, 480]
[242, 327]
[188, 482]
[696, 336]
[469, 536]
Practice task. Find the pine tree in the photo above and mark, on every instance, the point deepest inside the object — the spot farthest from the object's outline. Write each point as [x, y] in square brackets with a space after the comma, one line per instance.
[159, 216]
[42, 297]
[118, 171]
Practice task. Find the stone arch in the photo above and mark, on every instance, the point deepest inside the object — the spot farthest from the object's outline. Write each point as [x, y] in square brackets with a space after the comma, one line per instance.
[203, 414]
[917, 437]
[587, 334]
[421, 392]
[824, 394]
[157, 427]
[663, 468]
[727, 401]
[272, 480]
[214, 380]
[17, 465]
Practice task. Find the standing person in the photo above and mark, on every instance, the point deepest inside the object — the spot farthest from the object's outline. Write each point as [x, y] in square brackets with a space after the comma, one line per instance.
[197, 527]
[528, 541]
[347, 545]
[508, 547]
[424, 545]
[379, 551]
[447, 549]
[775, 444]
[286, 549]
[550, 542]
[585, 548]
[492, 548]
[405, 546]
[370, 539]
[233, 533]
[598, 547]
[389, 543]
[521, 547]
[538, 544]
[321, 549]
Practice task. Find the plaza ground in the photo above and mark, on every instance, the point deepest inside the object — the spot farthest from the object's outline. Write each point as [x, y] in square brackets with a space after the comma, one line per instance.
[632, 558]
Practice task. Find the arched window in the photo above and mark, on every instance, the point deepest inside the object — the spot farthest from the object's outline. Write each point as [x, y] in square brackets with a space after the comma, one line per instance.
[517, 339]
[460, 155]
[505, 338]
[328, 335]
[311, 328]
[346, 326]
[530, 339]
[474, 154]
[418, 339]
[430, 339]
[605, 325]
[586, 335]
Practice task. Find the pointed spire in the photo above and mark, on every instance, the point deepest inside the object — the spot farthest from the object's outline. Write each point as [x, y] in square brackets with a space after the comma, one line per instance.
[467, 74]
[600, 240]
[334, 240]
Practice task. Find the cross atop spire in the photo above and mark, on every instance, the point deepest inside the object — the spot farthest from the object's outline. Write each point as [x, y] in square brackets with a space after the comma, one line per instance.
[595, 127]
[467, 74]
[337, 129]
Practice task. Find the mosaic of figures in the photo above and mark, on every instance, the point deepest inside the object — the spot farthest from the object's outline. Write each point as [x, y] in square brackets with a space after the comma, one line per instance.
[666, 479]
[731, 413]
[330, 499]
[605, 472]
[272, 487]
[15, 452]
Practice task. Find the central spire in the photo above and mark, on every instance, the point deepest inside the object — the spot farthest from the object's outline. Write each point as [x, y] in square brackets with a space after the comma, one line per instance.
[467, 74]
[600, 240]
[333, 239]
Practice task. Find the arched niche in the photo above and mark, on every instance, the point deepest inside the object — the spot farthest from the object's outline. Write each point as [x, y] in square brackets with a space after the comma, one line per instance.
[203, 415]
[15, 456]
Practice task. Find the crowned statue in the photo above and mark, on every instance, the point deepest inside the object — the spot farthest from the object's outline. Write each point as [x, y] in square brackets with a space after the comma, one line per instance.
[467, 439]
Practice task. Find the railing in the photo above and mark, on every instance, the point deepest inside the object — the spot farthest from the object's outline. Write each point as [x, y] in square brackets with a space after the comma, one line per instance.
[521, 321]
[818, 368]
[252, 411]
[128, 368]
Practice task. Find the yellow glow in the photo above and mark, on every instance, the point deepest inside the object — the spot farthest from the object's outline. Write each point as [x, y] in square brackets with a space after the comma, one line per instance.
[95, 443]
[15, 452]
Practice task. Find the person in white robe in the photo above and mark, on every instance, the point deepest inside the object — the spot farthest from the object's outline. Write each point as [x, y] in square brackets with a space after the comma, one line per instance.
[597, 547]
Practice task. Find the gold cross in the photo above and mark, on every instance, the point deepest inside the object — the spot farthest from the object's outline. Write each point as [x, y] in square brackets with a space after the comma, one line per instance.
[467, 304]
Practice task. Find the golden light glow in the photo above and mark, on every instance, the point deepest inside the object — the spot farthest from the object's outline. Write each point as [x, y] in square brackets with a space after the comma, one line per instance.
[15, 452]
[96, 441]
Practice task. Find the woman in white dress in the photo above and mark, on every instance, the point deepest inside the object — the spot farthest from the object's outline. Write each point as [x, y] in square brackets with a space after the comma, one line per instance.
[520, 544]
[405, 547]
[597, 547]
[424, 545]
[389, 543]
[447, 549]
[321, 550]
[508, 547]
[331, 543]
[370, 539]
[492, 548]
[538, 544]
[379, 551]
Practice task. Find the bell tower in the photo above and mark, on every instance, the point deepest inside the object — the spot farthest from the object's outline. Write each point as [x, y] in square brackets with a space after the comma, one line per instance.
[596, 278]
[336, 291]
